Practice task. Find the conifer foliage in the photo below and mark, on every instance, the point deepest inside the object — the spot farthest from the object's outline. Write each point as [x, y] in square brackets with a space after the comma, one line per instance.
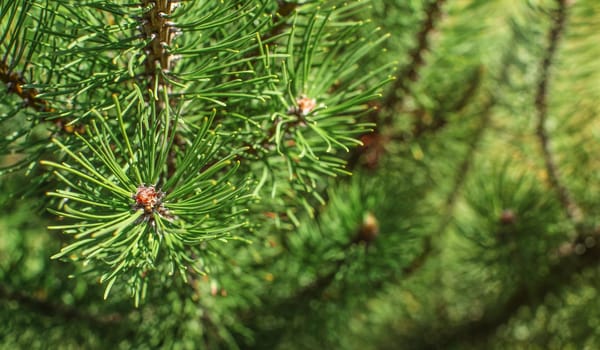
[152, 176]
[279, 174]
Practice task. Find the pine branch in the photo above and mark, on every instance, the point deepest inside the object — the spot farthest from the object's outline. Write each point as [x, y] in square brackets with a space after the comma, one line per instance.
[120, 225]
[420, 260]
[465, 166]
[441, 113]
[374, 142]
[574, 257]
[410, 73]
[300, 301]
[14, 84]
[160, 31]
[572, 209]
[13, 39]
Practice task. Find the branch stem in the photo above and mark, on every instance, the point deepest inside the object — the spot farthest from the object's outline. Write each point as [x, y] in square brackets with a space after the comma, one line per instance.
[410, 73]
[572, 210]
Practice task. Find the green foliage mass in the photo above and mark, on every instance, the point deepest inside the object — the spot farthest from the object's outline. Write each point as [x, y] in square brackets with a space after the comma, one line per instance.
[312, 174]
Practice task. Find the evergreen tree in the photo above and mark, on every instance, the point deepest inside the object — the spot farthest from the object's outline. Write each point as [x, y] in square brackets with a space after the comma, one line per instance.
[278, 174]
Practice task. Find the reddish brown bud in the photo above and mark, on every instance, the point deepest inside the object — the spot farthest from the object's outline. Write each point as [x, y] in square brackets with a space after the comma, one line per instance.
[369, 229]
[508, 217]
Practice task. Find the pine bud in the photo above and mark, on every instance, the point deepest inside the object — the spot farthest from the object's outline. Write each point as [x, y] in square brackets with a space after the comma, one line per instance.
[508, 217]
[369, 229]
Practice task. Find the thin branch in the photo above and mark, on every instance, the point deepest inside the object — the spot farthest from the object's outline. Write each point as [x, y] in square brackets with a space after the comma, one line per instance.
[419, 261]
[572, 210]
[15, 53]
[410, 73]
[439, 116]
[397, 92]
[465, 166]
[299, 302]
[573, 258]
[15, 84]
[316, 289]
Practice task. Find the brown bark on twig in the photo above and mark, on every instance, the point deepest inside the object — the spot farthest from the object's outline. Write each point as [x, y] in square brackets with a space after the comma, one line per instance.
[410, 73]
[400, 88]
[15, 84]
[572, 210]
[160, 31]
